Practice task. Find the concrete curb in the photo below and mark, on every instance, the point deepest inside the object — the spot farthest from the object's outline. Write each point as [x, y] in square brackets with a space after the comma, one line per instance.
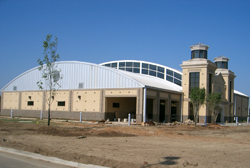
[48, 159]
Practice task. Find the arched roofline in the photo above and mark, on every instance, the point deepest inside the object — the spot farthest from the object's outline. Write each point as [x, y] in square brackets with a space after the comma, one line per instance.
[77, 62]
[142, 62]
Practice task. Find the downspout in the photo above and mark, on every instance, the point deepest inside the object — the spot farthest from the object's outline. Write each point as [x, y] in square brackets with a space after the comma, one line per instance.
[144, 104]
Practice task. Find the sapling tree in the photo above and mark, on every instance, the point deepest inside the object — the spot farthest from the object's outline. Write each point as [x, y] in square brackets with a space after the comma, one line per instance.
[213, 101]
[197, 98]
[50, 73]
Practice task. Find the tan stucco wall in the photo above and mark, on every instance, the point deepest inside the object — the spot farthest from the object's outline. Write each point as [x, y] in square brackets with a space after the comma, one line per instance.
[36, 97]
[87, 100]
[10, 100]
[60, 96]
[121, 92]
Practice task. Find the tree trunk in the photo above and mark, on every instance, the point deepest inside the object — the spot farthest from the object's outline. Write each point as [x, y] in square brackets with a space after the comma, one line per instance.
[49, 116]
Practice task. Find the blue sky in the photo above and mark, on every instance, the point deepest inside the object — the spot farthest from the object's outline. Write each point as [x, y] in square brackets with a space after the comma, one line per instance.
[96, 31]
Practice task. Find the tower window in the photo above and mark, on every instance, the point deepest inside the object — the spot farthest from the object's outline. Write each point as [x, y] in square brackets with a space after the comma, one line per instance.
[199, 54]
[194, 80]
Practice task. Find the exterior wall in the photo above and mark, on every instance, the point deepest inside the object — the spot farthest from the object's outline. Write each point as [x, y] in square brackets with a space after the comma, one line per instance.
[86, 101]
[60, 96]
[36, 97]
[204, 67]
[11, 100]
[241, 107]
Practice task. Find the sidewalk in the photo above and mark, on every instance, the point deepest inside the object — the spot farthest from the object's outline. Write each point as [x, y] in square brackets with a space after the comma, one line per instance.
[48, 159]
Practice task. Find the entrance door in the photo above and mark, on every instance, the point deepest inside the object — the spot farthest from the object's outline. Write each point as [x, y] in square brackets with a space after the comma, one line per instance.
[162, 111]
[174, 111]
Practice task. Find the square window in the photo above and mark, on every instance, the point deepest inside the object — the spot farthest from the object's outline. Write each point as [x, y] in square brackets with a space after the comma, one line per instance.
[152, 67]
[136, 70]
[169, 78]
[121, 64]
[169, 72]
[128, 64]
[136, 64]
[152, 73]
[160, 69]
[116, 105]
[144, 71]
[30, 103]
[144, 65]
[61, 103]
[160, 75]
[114, 65]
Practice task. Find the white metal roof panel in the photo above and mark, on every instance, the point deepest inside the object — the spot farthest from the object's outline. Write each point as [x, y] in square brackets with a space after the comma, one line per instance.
[91, 75]
[154, 81]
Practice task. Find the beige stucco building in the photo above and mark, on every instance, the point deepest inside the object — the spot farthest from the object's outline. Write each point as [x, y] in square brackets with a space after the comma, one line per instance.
[112, 90]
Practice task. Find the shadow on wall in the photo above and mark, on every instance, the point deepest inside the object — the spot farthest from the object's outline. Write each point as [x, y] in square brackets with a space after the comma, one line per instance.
[168, 161]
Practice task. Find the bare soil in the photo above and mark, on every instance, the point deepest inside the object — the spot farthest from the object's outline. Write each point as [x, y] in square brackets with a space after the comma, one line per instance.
[135, 146]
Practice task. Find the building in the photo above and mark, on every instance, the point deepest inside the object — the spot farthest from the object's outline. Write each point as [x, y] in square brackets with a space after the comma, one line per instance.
[111, 90]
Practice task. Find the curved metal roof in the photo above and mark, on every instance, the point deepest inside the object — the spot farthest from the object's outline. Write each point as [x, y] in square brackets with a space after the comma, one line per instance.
[76, 75]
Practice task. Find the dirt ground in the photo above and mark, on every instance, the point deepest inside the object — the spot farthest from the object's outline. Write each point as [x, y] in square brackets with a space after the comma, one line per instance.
[135, 146]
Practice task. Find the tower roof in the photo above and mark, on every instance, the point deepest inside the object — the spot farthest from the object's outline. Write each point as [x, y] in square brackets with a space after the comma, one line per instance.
[199, 46]
[221, 58]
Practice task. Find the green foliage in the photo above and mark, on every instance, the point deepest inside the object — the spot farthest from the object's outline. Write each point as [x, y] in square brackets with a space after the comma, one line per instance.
[197, 98]
[213, 101]
[49, 71]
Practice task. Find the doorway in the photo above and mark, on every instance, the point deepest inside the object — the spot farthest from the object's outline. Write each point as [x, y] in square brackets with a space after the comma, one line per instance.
[162, 111]
[173, 111]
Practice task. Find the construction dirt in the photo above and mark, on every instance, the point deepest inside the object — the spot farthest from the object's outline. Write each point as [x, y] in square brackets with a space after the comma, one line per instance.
[134, 146]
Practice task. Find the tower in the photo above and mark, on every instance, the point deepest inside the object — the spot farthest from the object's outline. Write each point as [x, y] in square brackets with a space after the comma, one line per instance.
[197, 72]
[228, 77]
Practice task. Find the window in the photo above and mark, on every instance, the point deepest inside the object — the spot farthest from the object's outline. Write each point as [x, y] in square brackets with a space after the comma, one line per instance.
[121, 64]
[152, 67]
[107, 65]
[210, 83]
[136, 70]
[114, 65]
[230, 91]
[177, 75]
[129, 69]
[128, 64]
[152, 73]
[116, 105]
[160, 75]
[169, 78]
[30, 103]
[169, 72]
[61, 103]
[144, 71]
[222, 64]
[199, 54]
[15, 88]
[144, 65]
[136, 64]
[194, 80]
[160, 69]
[178, 82]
